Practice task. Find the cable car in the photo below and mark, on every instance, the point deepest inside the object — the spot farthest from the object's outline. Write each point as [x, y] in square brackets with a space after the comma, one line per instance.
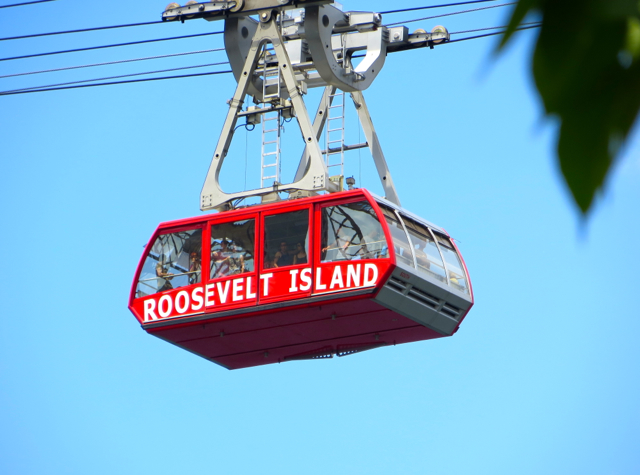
[325, 271]
[310, 278]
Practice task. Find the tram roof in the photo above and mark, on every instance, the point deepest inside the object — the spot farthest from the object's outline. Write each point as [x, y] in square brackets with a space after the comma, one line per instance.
[293, 202]
[407, 213]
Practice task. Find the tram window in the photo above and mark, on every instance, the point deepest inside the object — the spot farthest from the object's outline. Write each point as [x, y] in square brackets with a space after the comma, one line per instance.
[400, 241]
[286, 239]
[454, 266]
[427, 255]
[173, 262]
[232, 248]
[351, 231]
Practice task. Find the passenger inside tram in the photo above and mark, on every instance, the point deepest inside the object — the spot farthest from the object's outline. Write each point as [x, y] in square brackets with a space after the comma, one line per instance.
[168, 264]
[283, 257]
[164, 278]
[300, 256]
[350, 232]
[286, 238]
[232, 248]
[220, 258]
[421, 257]
[374, 245]
[194, 268]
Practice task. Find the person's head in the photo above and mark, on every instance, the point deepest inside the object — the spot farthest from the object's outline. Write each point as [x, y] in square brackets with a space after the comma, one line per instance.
[194, 256]
[224, 243]
[299, 246]
[283, 246]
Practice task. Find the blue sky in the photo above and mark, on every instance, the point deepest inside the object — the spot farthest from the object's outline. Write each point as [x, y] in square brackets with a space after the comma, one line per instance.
[541, 377]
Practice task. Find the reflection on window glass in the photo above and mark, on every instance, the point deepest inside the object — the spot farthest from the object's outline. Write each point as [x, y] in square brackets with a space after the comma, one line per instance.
[351, 231]
[454, 266]
[174, 261]
[286, 239]
[427, 255]
[401, 244]
[232, 248]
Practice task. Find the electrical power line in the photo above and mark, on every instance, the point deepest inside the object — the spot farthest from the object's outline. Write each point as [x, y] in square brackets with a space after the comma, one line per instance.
[452, 13]
[36, 35]
[110, 46]
[115, 82]
[388, 12]
[112, 63]
[25, 3]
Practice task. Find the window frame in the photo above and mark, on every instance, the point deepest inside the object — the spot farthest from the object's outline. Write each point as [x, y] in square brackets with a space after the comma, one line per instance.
[202, 225]
[226, 220]
[344, 201]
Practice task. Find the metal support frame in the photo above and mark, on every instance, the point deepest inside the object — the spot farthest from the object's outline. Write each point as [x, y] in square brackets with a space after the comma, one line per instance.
[313, 49]
[315, 178]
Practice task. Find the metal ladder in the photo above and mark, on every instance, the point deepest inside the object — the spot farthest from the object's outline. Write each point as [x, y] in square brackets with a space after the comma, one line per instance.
[334, 134]
[271, 121]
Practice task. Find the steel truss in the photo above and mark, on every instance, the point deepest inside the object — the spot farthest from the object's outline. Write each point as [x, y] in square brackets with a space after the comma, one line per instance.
[293, 46]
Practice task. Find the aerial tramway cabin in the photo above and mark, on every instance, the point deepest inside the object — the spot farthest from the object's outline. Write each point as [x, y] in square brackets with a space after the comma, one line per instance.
[309, 278]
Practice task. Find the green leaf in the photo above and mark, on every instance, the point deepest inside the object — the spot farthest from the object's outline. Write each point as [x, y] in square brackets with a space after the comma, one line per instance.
[633, 37]
[586, 66]
[523, 8]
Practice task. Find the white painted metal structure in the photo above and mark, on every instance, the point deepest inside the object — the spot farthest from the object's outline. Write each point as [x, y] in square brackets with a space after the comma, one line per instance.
[292, 46]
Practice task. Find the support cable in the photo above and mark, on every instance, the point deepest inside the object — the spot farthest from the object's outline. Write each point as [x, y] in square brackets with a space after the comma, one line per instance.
[388, 12]
[536, 23]
[112, 62]
[116, 82]
[37, 35]
[451, 14]
[47, 88]
[118, 77]
[111, 46]
[25, 3]
[489, 34]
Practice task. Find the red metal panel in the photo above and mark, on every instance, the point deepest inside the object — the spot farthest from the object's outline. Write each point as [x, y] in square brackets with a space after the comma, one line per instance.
[242, 342]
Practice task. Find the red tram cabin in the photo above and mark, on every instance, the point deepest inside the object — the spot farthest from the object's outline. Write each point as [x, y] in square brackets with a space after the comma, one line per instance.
[301, 279]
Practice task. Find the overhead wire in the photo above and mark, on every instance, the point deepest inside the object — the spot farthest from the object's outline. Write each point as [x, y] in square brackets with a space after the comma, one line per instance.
[98, 28]
[79, 84]
[61, 87]
[119, 77]
[127, 25]
[109, 63]
[51, 88]
[25, 3]
[452, 13]
[489, 34]
[114, 83]
[537, 23]
[90, 48]
[388, 12]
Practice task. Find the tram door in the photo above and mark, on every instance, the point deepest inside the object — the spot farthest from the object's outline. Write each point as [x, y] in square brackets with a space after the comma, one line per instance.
[286, 254]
